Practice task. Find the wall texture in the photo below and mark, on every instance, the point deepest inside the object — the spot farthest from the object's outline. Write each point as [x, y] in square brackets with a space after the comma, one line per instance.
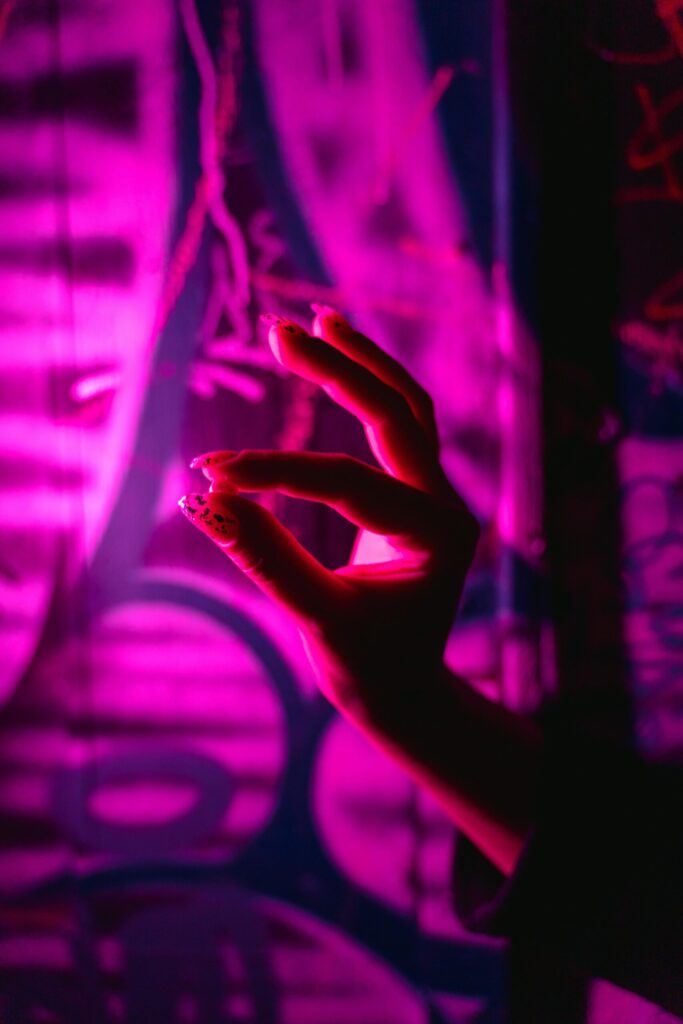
[188, 832]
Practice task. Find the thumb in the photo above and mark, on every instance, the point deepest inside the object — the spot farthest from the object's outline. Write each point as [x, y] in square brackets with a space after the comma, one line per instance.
[265, 551]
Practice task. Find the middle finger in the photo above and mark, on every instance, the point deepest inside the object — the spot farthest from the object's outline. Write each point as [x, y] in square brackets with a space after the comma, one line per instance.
[396, 438]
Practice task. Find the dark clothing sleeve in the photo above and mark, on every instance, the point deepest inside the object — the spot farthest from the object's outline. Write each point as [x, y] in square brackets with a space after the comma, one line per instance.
[600, 881]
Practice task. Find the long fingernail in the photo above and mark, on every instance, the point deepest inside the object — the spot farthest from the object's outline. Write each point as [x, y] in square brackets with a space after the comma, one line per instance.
[278, 326]
[281, 322]
[208, 513]
[290, 327]
[328, 317]
[211, 458]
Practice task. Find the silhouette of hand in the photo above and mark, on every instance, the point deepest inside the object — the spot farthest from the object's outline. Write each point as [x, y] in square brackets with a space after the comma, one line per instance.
[370, 627]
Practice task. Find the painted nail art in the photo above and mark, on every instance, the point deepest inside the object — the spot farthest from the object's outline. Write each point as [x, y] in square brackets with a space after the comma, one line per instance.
[282, 322]
[198, 508]
[211, 459]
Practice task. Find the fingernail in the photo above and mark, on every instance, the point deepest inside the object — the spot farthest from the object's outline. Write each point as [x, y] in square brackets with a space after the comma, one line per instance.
[280, 321]
[208, 513]
[211, 459]
[333, 318]
[321, 308]
[277, 325]
[290, 327]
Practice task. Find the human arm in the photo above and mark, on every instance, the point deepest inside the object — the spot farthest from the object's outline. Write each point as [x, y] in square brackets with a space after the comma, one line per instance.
[376, 632]
[597, 881]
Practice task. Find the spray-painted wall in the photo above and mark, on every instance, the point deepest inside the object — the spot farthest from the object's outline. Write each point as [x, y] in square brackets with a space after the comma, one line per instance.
[189, 833]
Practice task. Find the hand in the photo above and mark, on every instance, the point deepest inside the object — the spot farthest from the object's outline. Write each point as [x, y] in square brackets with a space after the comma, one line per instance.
[372, 631]
[375, 631]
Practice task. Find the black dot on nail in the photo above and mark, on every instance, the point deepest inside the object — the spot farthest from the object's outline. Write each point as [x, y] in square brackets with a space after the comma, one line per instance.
[292, 330]
[192, 511]
[221, 519]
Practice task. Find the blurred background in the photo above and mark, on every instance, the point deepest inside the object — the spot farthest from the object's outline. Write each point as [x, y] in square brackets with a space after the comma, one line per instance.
[189, 833]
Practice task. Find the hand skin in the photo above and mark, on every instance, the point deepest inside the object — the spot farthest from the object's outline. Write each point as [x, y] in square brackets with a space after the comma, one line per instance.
[376, 633]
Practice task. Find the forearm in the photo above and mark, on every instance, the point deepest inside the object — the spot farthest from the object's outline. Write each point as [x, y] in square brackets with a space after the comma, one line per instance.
[479, 760]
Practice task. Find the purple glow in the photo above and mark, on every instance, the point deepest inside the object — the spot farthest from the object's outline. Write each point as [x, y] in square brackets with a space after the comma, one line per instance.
[164, 750]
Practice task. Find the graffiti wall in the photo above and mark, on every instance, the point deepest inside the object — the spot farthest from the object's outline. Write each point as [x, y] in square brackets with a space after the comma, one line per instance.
[189, 832]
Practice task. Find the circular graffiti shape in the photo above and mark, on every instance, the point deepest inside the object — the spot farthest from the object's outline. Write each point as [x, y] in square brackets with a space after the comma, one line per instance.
[73, 790]
[182, 734]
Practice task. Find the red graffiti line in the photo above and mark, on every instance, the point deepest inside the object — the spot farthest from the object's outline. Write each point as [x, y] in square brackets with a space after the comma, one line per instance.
[649, 148]
[652, 59]
[669, 11]
[665, 303]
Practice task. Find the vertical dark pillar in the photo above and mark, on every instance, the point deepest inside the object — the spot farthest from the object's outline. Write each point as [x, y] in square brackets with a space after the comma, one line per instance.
[567, 109]
[565, 112]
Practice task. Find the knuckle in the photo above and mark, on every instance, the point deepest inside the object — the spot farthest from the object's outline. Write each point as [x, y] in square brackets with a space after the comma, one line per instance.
[345, 471]
[253, 566]
[396, 407]
[430, 420]
[426, 415]
[424, 401]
